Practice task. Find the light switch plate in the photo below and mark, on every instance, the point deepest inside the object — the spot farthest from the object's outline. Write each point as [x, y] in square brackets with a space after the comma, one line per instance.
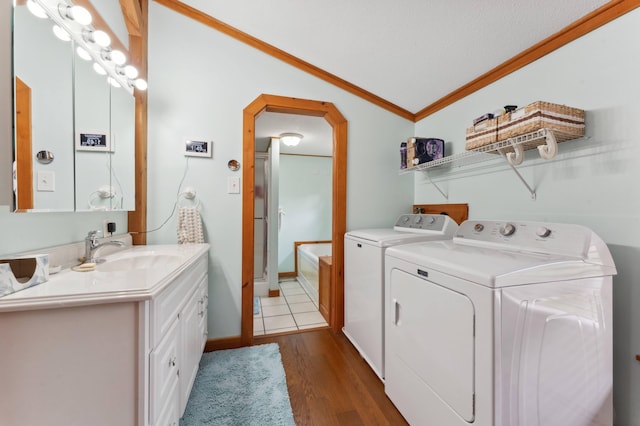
[233, 185]
[46, 181]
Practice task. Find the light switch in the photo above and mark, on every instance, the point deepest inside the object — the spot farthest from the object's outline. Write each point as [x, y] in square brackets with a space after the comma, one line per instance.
[46, 181]
[233, 185]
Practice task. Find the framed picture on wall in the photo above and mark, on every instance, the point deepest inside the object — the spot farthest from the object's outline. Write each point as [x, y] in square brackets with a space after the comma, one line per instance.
[93, 141]
[193, 148]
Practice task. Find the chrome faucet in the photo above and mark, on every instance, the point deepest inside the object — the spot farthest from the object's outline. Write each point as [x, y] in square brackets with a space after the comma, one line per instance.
[91, 245]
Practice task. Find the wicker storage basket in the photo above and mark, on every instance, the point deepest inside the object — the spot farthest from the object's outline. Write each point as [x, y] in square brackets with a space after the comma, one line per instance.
[483, 133]
[566, 121]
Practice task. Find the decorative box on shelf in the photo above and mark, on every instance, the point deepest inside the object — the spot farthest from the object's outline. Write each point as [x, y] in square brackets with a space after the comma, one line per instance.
[482, 133]
[565, 121]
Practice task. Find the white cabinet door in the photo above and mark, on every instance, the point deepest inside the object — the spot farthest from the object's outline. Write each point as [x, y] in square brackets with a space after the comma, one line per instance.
[204, 332]
[164, 363]
[191, 346]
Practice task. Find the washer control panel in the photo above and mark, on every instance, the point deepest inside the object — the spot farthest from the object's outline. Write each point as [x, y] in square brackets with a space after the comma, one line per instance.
[559, 238]
[426, 222]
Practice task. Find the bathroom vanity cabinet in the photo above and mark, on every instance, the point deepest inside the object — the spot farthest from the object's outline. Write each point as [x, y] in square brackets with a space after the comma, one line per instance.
[75, 352]
[178, 334]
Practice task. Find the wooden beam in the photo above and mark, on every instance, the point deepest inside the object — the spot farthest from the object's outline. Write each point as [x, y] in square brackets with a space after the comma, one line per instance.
[132, 12]
[138, 217]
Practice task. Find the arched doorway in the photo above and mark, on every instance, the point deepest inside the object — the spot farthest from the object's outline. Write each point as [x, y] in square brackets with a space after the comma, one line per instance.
[338, 123]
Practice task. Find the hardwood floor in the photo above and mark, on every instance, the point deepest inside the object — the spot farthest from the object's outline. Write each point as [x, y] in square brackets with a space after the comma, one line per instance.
[329, 383]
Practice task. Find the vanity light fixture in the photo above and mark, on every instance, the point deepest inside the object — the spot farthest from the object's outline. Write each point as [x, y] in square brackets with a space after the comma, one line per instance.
[36, 9]
[140, 84]
[290, 139]
[117, 57]
[61, 34]
[97, 68]
[112, 81]
[131, 72]
[76, 14]
[83, 53]
[98, 37]
[73, 22]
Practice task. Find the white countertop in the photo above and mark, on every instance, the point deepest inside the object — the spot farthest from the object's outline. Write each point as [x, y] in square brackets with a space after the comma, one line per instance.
[70, 288]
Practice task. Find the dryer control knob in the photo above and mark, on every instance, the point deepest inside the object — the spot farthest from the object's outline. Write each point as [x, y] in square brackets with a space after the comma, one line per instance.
[405, 219]
[429, 220]
[507, 230]
[543, 232]
[418, 219]
[478, 227]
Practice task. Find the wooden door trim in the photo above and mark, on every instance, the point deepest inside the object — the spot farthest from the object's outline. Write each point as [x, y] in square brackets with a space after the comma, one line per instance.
[273, 103]
[24, 151]
[138, 48]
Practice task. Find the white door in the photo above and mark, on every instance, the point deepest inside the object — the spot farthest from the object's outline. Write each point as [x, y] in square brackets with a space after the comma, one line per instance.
[430, 339]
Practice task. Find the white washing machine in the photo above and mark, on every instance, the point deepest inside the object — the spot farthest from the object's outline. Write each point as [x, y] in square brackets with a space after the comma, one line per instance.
[364, 278]
[508, 324]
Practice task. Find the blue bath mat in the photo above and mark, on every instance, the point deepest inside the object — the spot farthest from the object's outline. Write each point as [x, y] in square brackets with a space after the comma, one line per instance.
[240, 387]
[256, 305]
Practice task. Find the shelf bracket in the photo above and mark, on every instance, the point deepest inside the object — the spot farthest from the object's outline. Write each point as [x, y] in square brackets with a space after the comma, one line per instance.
[434, 184]
[532, 192]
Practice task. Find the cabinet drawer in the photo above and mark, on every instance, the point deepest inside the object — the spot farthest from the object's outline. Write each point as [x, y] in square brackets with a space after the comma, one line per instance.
[163, 380]
[166, 307]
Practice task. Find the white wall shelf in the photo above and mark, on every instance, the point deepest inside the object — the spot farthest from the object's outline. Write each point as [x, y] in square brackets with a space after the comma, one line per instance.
[512, 150]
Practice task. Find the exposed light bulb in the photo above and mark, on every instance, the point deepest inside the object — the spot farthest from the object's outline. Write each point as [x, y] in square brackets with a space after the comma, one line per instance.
[83, 54]
[97, 68]
[118, 57]
[113, 82]
[140, 84]
[130, 71]
[76, 13]
[101, 38]
[36, 9]
[61, 34]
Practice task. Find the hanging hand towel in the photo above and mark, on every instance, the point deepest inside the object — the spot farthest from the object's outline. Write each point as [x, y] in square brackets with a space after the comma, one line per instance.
[189, 226]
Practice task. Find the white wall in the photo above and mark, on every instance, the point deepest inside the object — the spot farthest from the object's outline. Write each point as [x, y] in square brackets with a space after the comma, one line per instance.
[199, 82]
[594, 181]
[305, 196]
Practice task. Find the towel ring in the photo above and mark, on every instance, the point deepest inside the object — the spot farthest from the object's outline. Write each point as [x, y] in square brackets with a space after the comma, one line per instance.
[189, 194]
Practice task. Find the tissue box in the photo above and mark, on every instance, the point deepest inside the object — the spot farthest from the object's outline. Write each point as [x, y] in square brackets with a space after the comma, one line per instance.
[23, 272]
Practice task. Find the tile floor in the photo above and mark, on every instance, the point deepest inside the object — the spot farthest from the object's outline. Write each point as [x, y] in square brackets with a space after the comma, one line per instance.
[293, 310]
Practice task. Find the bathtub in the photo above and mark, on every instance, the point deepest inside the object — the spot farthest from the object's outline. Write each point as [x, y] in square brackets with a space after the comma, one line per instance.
[307, 262]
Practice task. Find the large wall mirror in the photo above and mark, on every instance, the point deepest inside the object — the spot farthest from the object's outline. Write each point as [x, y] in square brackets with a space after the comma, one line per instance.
[74, 114]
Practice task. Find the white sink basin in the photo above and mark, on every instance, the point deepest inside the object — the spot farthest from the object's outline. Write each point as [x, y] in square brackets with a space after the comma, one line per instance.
[140, 261]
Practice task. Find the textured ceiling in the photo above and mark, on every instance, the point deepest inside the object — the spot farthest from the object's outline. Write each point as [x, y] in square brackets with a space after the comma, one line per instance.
[408, 52]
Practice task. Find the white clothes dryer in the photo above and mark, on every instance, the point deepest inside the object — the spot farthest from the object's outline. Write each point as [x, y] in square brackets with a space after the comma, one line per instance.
[364, 278]
[507, 324]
